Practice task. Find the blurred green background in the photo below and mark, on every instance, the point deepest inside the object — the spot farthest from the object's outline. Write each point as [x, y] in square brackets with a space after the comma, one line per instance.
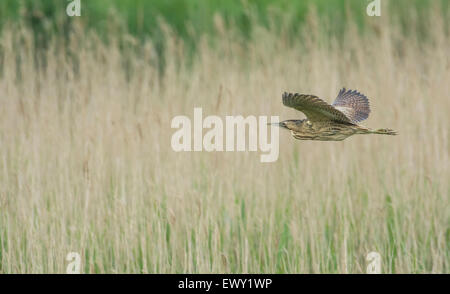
[191, 18]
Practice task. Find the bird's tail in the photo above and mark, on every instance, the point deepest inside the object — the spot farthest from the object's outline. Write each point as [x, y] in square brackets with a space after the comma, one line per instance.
[384, 132]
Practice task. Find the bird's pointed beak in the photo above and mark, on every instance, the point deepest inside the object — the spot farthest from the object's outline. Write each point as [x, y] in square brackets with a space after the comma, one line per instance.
[280, 124]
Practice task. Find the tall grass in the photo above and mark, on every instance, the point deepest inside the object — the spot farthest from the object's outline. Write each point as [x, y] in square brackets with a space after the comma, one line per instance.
[86, 163]
[192, 18]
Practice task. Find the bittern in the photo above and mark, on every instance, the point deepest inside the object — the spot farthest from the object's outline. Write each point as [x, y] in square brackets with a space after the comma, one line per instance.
[325, 122]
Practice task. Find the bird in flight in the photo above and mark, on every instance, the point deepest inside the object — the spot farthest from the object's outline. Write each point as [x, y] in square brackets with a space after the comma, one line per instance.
[325, 122]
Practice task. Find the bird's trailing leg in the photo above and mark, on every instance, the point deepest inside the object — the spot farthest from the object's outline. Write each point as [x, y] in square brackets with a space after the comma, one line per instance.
[385, 132]
[378, 131]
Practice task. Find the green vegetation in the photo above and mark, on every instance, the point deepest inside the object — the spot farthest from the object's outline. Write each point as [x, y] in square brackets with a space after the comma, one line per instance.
[191, 19]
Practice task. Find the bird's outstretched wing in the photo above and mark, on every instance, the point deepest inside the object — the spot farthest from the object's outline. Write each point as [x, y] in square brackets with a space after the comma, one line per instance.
[314, 108]
[353, 104]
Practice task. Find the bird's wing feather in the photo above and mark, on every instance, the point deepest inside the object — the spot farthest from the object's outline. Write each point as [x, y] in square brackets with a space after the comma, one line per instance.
[314, 108]
[353, 104]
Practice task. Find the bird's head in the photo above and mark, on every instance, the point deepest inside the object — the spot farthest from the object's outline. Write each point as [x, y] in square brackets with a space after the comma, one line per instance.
[287, 124]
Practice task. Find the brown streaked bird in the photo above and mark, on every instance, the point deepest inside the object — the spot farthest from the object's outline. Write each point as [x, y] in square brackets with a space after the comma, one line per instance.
[325, 122]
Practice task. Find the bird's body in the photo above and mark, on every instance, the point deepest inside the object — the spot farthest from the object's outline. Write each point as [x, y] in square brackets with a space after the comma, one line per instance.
[327, 122]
